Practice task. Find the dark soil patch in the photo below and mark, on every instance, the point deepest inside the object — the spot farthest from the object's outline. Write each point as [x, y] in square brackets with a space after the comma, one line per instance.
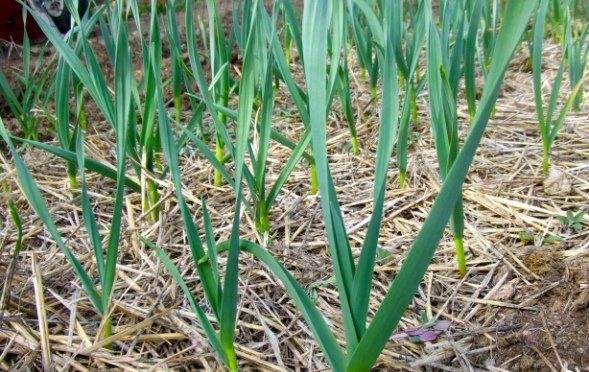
[557, 336]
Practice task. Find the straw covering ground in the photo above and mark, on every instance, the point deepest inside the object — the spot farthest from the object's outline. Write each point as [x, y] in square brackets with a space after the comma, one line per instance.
[523, 304]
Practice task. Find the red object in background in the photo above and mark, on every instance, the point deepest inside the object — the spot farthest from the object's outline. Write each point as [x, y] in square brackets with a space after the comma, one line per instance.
[12, 26]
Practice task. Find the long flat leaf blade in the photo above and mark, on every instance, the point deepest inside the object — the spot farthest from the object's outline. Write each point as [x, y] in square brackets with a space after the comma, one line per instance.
[422, 250]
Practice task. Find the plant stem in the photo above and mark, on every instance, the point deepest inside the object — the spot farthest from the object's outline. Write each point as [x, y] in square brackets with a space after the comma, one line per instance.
[178, 108]
[158, 161]
[460, 257]
[402, 178]
[73, 180]
[231, 358]
[152, 200]
[578, 101]
[355, 147]
[287, 54]
[83, 117]
[262, 218]
[545, 160]
[219, 154]
[31, 134]
[414, 112]
[106, 331]
[276, 83]
[314, 179]
[287, 45]
[373, 92]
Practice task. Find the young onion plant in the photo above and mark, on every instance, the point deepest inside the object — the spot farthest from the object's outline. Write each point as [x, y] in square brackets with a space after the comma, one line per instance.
[490, 26]
[219, 59]
[549, 124]
[361, 14]
[149, 138]
[144, 144]
[284, 74]
[474, 13]
[343, 89]
[30, 94]
[340, 76]
[182, 79]
[66, 81]
[67, 133]
[271, 62]
[407, 64]
[577, 46]
[118, 112]
[222, 296]
[364, 341]
[443, 77]
[556, 17]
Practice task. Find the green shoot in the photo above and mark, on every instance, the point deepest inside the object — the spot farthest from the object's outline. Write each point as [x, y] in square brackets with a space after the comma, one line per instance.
[354, 281]
[549, 125]
[443, 66]
[407, 63]
[577, 47]
[119, 113]
[26, 99]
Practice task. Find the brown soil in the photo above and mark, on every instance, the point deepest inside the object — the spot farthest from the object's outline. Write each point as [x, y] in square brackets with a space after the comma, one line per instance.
[555, 335]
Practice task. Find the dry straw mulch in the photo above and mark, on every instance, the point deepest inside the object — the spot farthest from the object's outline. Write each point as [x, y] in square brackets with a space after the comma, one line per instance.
[523, 304]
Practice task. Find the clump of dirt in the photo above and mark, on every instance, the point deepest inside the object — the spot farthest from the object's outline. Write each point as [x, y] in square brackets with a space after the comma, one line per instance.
[581, 276]
[557, 183]
[557, 336]
[545, 262]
